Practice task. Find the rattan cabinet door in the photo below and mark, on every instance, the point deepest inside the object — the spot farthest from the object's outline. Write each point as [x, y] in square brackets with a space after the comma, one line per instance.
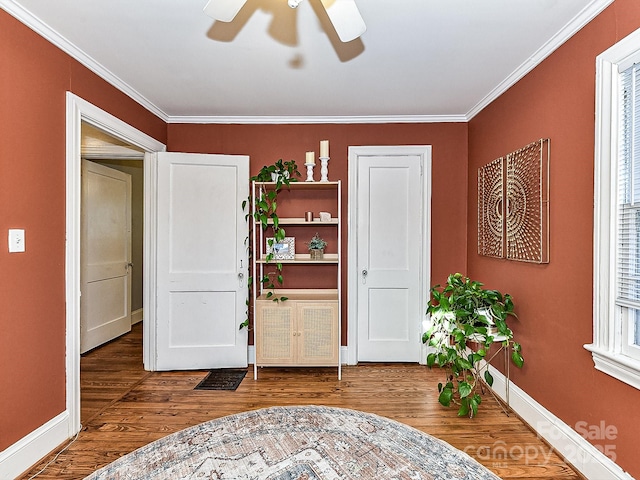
[317, 333]
[275, 340]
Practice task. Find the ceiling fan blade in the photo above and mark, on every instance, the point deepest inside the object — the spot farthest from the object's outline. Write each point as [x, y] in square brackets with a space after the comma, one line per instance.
[346, 18]
[223, 10]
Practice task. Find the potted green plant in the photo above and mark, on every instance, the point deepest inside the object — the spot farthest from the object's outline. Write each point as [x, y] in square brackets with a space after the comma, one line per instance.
[316, 247]
[282, 173]
[460, 313]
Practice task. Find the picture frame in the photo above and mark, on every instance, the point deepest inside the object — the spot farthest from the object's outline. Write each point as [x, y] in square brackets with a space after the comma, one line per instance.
[284, 250]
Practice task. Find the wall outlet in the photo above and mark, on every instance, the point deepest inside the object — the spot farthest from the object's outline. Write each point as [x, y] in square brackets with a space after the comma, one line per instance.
[16, 240]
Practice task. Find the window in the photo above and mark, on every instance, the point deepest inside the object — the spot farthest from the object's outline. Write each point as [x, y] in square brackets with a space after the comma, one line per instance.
[628, 206]
[616, 336]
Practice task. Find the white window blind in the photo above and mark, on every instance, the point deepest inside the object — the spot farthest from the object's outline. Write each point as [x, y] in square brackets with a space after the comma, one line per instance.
[628, 240]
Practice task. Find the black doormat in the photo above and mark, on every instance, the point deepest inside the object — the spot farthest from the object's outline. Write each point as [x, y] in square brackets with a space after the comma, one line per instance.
[222, 379]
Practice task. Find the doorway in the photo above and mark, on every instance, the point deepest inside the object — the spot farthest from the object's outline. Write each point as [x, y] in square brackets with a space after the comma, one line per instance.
[79, 111]
[389, 252]
[112, 236]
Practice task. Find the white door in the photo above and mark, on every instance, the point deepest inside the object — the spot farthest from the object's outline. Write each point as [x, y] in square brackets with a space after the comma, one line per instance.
[390, 237]
[105, 302]
[202, 261]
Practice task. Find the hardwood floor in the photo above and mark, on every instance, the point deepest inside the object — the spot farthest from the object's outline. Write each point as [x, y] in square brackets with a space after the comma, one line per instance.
[124, 407]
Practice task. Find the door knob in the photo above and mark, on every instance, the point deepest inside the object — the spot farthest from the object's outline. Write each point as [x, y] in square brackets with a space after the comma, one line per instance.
[365, 273]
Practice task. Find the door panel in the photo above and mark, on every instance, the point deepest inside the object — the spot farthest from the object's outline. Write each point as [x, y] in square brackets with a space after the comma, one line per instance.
[389, 257]
[385, 304]
[105, 303]
[202, 261]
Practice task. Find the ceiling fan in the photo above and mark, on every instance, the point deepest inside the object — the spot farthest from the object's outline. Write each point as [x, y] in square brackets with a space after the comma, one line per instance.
[344, 14]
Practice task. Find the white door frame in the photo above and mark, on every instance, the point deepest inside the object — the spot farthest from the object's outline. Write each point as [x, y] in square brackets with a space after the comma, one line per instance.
[425, 265]
[79, 110]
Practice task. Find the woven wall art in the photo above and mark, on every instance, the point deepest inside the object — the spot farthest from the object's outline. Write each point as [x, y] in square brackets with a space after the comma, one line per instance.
[490, 216]
[513, 205]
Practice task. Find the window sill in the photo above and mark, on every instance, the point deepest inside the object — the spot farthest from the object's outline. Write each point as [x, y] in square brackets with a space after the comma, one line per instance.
[623, 368]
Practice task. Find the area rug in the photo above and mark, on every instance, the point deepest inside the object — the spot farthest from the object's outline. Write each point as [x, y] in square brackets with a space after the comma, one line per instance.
[297, 443]
[222, 379]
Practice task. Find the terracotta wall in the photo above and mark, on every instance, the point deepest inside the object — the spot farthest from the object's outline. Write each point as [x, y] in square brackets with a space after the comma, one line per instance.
[554, 301]
[34, 76]
[268, 143]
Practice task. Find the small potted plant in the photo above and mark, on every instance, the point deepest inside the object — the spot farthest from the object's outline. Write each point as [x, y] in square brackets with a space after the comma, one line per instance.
[283, 172]
[316, 247]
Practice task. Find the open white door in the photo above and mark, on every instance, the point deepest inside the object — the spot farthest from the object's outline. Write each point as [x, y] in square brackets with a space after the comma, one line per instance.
[390, 252]
[201, 261]
[105, 304]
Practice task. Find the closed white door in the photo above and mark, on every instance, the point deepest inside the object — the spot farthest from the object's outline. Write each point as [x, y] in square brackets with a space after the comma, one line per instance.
[390, 228]
[105, 302]
[202, 261]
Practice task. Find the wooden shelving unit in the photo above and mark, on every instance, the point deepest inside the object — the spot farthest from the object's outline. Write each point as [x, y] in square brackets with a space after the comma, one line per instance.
[305, 329]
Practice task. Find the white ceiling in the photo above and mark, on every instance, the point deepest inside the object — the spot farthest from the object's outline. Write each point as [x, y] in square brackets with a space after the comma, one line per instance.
[419, 60]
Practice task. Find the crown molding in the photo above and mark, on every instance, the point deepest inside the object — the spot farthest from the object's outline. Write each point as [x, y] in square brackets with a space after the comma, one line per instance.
[38, 26]
[262, 120]
[587, 14]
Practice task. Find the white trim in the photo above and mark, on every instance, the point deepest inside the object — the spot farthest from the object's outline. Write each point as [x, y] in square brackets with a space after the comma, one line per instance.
[79, 110]
[301, 119]
[150, 259]
[587, 14]
[72, 262]
[606, 348]
[352, 254]
[137, 316]
[28, 451]
[566, 441]
[111, 152]
[618, 366]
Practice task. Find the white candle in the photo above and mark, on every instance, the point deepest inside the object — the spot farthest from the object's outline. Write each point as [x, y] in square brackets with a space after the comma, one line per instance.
[324, 148]
[310, 158]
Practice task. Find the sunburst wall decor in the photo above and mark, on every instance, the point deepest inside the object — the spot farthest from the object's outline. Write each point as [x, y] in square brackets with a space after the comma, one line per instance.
[513, 205]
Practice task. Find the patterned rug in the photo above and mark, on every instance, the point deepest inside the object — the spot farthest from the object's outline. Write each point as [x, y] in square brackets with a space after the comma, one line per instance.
[297, 443]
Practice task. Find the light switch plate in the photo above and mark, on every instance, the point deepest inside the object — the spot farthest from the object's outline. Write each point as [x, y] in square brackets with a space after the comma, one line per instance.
[16, 240]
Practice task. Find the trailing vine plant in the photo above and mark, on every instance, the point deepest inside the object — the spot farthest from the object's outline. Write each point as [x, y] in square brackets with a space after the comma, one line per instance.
[266, 205]
[462, 312]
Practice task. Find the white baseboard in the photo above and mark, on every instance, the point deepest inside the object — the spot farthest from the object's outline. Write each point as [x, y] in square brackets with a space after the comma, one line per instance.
[566, 441]
[137, 316]
[29, 450]
[344, 355]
